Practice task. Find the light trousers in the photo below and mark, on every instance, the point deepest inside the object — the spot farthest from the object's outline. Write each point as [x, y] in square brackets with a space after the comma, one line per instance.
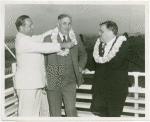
[29, 102]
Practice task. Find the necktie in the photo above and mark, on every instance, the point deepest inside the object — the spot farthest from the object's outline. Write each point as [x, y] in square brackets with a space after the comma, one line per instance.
[101, 49]
[64, 40]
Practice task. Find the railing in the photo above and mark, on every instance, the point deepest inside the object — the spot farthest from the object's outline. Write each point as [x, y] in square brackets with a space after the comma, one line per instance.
[136, 100]
[83, 98]
[11, 99]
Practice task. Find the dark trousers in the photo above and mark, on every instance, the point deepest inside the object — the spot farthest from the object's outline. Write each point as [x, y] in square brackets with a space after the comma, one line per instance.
[108, 105]
[67, 94]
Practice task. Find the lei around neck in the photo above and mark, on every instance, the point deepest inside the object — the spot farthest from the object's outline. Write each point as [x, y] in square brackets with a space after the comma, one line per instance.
[54, 38]
[111, 54]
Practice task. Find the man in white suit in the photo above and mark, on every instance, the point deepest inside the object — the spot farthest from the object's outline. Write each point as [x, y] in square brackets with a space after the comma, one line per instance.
[30, 77]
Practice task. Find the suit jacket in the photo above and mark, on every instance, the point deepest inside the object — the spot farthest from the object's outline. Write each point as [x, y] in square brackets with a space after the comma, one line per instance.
[79, 59]
[111, 78]
[31, 72]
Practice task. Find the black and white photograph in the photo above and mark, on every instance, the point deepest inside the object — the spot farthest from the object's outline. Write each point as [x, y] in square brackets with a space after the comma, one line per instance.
[78, 60]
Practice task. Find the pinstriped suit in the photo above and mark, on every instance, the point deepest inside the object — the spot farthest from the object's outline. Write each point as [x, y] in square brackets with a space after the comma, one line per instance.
[56, 86]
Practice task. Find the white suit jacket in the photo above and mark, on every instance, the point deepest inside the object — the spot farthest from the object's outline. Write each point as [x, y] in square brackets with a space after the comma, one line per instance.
[31, 72]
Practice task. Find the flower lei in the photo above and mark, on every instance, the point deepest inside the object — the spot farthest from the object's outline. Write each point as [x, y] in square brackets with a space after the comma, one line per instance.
[54, 40]
[112, 53]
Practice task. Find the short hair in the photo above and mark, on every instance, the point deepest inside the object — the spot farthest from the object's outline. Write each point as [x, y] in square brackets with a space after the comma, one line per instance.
[111, 26]
[63, 16]
[20, 21]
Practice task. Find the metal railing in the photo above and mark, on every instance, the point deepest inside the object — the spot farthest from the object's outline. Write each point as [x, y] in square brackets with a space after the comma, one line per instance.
[11, 100]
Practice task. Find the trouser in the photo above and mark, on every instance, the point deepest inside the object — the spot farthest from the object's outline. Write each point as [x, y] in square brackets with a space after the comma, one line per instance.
[108, 105]
[29, 102]
[44, 111]
[67, 94]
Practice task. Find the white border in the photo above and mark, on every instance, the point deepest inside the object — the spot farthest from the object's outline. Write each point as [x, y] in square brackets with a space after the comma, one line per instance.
[72, 119]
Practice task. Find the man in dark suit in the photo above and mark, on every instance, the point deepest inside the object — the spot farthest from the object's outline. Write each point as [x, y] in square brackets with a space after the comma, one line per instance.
[110, 86]
[64, 71]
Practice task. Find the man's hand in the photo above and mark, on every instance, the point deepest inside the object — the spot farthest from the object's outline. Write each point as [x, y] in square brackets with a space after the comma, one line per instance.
[43, 91]
[67, 45]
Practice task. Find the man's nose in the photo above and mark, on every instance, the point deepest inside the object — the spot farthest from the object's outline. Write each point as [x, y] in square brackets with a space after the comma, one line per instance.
[68, 26]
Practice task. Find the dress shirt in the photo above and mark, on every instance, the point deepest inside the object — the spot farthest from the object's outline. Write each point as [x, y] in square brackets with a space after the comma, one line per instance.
[62, 38]
[108, 46]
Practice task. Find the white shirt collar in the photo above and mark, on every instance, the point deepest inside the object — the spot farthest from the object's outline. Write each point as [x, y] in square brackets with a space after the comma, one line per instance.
[61, 36]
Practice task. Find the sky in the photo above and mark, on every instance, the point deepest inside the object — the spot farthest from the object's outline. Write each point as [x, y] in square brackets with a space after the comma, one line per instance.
[86, 17]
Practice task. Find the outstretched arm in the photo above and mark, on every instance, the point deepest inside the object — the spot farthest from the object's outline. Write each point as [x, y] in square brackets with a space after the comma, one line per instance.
[40, 38]
[27, 45]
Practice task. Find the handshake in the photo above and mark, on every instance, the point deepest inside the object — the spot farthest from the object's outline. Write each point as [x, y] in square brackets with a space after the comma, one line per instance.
[67, 45]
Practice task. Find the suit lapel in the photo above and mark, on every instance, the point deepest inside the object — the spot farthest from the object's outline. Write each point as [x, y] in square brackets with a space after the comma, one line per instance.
[58, 57]
[113, 44]
[59, 39]
[71, 50]
[68, 39]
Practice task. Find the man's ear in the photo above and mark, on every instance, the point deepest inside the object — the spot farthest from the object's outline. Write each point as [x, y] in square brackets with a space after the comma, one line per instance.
[21, 28]
[110, 33]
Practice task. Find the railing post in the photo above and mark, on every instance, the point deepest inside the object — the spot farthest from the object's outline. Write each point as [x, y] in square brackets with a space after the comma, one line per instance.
[14, 71]
[136, 105]
[136, 86]
[13, 68]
